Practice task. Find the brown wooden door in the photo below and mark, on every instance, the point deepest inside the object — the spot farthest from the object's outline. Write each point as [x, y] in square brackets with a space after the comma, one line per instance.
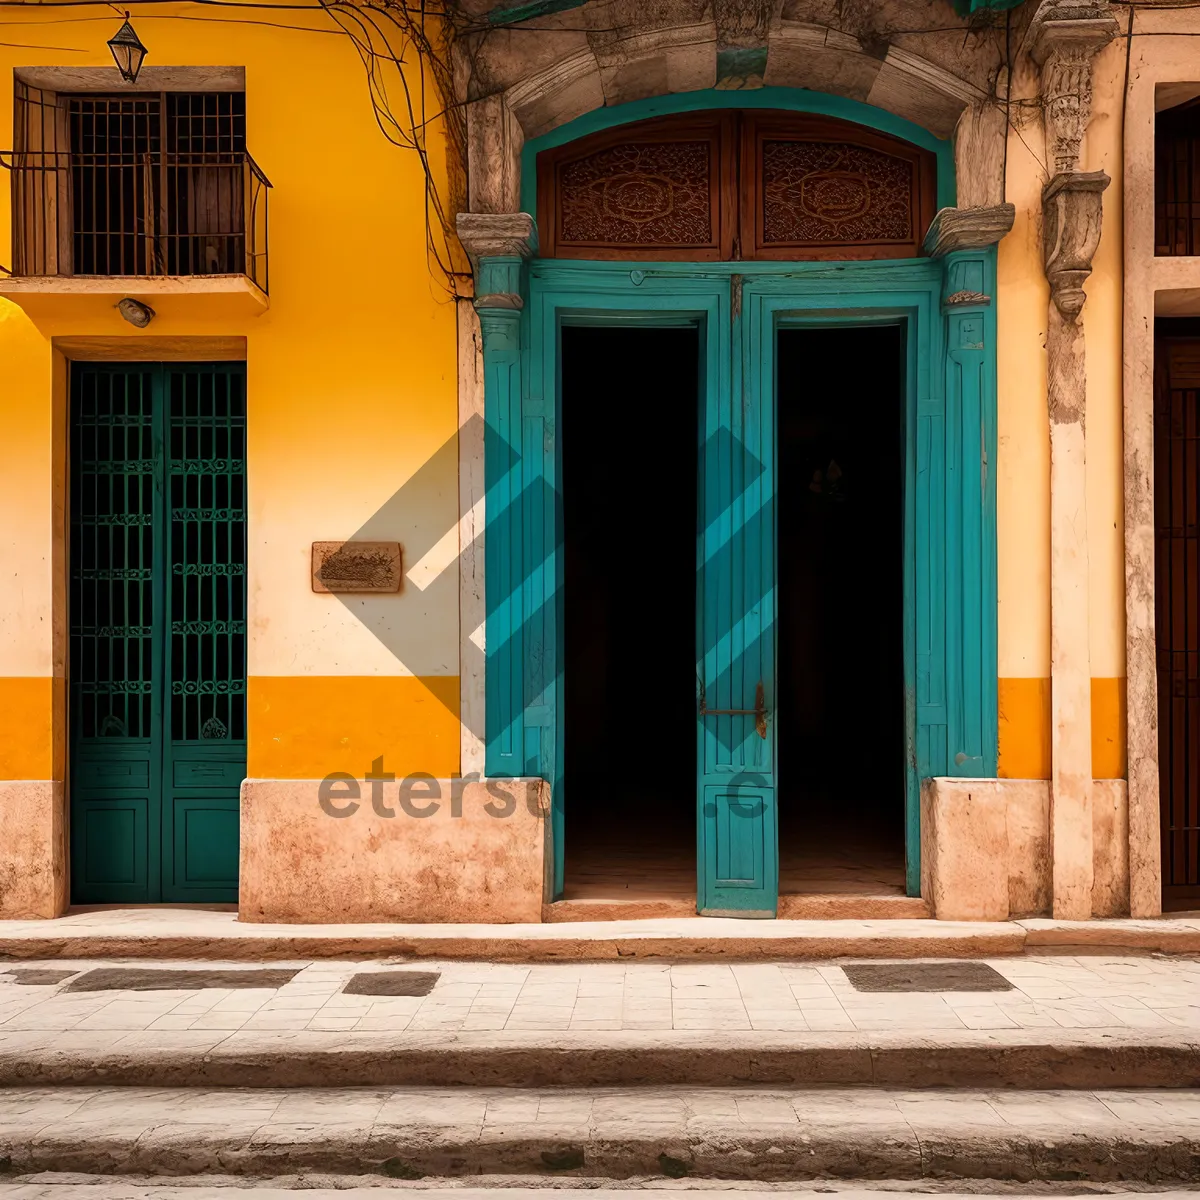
[1177, 607]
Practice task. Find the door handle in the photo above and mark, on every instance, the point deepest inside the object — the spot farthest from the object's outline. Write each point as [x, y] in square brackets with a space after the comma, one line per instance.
[758, 712]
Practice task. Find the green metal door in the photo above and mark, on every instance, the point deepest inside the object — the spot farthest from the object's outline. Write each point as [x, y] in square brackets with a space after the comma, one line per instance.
[158, 630]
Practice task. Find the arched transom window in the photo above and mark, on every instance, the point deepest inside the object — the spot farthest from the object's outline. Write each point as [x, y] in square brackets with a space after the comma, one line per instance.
[735, 185]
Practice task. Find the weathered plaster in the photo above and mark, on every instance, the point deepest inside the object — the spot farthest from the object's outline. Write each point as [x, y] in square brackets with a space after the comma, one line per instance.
[33, 851]
[1162, 71]
[1063, 37]
[986, 849]
[471, 852]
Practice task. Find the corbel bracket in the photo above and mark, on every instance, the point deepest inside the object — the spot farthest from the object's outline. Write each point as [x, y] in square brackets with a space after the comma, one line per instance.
[955, 229]
[1071, 215]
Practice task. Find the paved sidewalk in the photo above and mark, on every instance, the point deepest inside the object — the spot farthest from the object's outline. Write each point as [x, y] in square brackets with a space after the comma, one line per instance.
[711, 1133]
[1057, 992]
[1077, 1022]
[164, 932]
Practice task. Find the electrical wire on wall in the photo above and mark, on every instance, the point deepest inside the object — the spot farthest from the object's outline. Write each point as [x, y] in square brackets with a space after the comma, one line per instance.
[409, 50]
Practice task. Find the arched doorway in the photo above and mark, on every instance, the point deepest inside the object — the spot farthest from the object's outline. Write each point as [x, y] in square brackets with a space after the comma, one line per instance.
[718, 301]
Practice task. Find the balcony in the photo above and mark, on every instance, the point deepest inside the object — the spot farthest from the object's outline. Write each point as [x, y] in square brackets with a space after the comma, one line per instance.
[176, 221]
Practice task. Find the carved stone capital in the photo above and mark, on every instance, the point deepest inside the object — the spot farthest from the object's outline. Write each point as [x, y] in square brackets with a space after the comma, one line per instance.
[1063, 36]
[1071, 214]
[497, 235]
[497, 245]
[967, 228]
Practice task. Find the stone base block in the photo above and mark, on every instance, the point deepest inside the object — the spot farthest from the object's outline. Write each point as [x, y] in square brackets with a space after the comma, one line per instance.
[33, 849]
[421, 850]
[985, 848]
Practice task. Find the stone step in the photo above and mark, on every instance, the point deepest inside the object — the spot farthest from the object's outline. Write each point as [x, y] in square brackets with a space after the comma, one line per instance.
[1005, 1058]
[775, 1135]
[823, 906]
[67, 1185]
[166, 933]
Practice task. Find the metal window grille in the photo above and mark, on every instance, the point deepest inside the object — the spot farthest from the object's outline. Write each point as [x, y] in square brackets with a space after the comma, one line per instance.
[153, 184]
[1177, 181]
[207, 548]
[112, 555]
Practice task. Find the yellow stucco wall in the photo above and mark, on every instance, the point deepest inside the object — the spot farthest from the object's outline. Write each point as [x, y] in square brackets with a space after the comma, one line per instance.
[1023, 479]
[351, 389]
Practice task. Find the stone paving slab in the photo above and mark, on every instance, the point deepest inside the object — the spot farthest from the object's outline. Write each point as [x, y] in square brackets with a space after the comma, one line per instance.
[711, 1133]
[1158, 995]
[162, 932]
[1067, 1021]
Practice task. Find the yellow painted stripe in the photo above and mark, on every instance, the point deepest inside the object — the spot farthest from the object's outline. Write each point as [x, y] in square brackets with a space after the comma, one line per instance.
[1108, 729]
[26, 727]
[1024, 708]
[305, 726]
[1025, 729]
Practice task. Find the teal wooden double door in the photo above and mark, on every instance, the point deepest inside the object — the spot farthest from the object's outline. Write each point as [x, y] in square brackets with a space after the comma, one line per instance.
[157, 610]
[949, 588]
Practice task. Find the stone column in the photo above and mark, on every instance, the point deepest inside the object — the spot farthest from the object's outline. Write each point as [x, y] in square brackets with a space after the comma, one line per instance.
[1064, 35]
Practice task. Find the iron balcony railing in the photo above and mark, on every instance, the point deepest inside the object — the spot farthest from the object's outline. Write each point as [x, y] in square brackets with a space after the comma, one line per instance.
[138, 213]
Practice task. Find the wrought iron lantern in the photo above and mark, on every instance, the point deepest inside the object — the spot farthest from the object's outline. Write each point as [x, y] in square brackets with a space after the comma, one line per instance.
[128, 51]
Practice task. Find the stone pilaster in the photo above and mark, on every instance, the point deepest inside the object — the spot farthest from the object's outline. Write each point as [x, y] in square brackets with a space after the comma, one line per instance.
[1064, 35]
[499, 245]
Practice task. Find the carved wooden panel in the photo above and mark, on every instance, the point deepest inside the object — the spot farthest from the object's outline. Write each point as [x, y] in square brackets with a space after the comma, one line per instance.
[820, 188]
[736, 186]
[658, 189]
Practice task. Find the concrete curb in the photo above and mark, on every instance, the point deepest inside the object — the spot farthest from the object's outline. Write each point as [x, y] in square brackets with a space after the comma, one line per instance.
[1004, 1059]
[1164, 1153]
[1002, 941]
[207, 935]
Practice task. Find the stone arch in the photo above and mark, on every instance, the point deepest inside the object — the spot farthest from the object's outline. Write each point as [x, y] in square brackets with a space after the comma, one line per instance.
[523, 80]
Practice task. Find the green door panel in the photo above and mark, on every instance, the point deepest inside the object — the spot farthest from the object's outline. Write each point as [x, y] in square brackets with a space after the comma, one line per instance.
[206, 844]
[109, 849]
[158, 625]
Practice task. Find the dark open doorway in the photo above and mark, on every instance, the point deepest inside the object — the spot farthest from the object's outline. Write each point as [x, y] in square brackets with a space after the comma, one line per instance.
[629, 520]
[840, 675]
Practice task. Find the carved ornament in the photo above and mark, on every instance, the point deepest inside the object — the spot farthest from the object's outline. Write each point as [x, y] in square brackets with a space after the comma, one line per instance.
[1063, 37]
[1071, 212]
[497, 244]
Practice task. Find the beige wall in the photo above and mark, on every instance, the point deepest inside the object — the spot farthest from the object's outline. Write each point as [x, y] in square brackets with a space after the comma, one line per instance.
[1023, 479]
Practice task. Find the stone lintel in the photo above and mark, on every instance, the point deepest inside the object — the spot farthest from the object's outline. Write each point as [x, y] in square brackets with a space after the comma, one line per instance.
[967, 229]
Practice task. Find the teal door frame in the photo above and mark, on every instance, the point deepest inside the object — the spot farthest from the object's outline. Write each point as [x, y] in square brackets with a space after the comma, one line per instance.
[950, 445]
[950, 557]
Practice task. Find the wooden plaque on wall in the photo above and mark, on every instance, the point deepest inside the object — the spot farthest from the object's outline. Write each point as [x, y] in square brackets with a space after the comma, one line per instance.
[736, 185]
